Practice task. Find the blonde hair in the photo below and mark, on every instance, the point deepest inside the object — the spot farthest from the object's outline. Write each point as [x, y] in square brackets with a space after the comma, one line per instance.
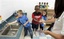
[20, 11]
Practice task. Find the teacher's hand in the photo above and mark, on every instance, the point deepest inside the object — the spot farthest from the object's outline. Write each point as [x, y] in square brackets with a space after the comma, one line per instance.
[46, 32]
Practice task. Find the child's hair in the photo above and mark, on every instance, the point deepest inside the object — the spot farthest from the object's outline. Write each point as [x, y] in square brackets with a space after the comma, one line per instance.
[20, 11]
[36, 7]
[59, 8]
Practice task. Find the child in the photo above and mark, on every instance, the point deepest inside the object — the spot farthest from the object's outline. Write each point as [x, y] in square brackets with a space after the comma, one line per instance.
[42, 21]
[36, 16]
[22, 19]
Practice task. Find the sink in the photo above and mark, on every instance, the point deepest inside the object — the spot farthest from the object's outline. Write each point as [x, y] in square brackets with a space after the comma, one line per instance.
[10, 30]
[6, 31]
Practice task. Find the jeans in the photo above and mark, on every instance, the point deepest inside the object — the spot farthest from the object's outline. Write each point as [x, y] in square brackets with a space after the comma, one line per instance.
[35, 26]
[28, 29]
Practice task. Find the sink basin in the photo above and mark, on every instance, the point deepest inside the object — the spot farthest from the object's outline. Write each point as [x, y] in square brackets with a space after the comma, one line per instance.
[6, 31]
[11, 30]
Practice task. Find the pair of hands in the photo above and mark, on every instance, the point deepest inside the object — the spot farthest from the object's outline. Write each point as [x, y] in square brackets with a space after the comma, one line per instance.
[41, 21]
[24, 24]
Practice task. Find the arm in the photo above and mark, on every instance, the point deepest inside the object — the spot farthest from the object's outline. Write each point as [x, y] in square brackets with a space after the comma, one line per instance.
[40, 18]
[56, 36]
[34, 18]
[42, 21]
[26, 21]
[12, 22]
[51, 20]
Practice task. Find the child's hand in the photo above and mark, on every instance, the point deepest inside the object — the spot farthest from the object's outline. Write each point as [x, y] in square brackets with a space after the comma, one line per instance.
[40, 21]
[43, 20]
[8, 24]
[24, 24]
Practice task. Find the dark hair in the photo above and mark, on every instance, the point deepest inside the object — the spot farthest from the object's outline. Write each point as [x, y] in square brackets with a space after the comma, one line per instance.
[36, 7]
[59, 7]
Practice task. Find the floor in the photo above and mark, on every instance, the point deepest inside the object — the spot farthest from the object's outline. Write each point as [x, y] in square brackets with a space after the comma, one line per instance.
[42, 36]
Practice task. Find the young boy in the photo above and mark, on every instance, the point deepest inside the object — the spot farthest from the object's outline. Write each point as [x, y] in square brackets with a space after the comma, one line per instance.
[36, 16]
[22, 19]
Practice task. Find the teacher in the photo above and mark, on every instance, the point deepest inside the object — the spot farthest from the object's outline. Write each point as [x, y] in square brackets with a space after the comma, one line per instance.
[58, 28]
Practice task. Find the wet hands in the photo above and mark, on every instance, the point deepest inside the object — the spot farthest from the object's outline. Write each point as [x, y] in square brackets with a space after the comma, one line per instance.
[24, 24]
[41, 21]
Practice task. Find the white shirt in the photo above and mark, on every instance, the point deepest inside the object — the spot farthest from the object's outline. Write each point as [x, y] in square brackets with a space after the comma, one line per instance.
[59, 25]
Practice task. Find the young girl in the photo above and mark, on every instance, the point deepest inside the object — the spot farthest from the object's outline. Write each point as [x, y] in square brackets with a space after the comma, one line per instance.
[58, 28]
[42, 21]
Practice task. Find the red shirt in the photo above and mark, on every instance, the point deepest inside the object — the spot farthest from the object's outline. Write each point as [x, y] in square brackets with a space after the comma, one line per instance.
[37, 16]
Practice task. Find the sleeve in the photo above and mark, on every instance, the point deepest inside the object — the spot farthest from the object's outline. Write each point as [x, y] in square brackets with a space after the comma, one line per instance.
[18, 20]
[62, 31]
[32, 15]
[26, 18]
[45, 18]
[40, 16]
[21, 21]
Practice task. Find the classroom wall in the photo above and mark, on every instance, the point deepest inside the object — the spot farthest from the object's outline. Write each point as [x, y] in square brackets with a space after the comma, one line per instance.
[7, 7]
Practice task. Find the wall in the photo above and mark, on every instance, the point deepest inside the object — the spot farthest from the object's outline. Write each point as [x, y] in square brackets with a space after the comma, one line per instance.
[7, 7]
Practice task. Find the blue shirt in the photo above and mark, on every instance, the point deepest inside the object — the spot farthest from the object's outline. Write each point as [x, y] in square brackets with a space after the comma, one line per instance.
[43, 17]
[22, 20]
